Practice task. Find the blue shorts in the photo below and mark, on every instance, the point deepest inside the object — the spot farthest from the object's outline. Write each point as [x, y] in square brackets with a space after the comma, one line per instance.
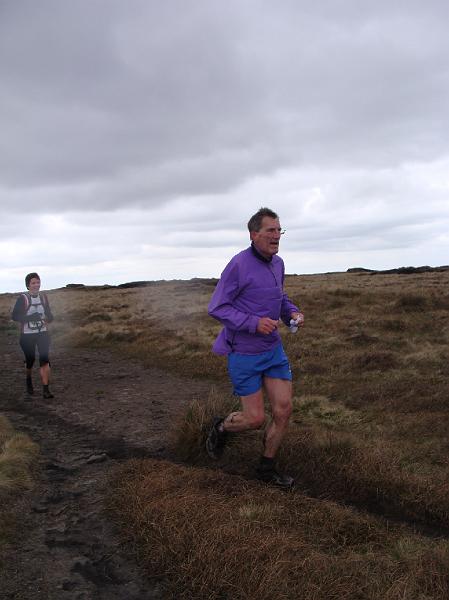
[247, 370]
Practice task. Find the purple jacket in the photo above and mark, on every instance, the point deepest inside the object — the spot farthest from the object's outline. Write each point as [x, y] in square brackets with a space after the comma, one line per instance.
[250, 287]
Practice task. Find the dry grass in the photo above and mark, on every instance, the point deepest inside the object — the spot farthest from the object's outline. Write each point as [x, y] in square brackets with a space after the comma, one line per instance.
[327, 459]
[371, 407]
[189, 432]
[163, 325]
[17, 456]
[217, 536]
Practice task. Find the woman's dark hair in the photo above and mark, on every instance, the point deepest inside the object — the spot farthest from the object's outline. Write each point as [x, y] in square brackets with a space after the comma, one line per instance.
[29, 277]
[255, 223]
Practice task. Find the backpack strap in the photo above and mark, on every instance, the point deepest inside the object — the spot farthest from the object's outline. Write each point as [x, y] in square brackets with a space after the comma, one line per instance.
[44, 300]
[26, 300]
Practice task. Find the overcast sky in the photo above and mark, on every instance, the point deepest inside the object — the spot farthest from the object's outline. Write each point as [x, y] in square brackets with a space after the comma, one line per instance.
[138, 137]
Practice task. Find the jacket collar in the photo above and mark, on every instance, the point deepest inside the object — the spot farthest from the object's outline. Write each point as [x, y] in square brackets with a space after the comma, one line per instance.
[258, 255]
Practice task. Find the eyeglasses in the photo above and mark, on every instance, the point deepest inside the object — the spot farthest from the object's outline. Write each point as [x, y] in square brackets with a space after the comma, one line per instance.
[271, 231]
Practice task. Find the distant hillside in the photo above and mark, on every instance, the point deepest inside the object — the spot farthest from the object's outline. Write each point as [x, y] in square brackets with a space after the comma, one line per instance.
[211, 281]
[400, 270]
[145, 283]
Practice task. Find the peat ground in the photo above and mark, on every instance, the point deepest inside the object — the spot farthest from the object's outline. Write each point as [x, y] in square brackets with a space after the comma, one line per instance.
[105, 410]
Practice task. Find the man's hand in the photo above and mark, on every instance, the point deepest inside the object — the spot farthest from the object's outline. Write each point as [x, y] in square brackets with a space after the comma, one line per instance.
[266, 325]
[298, 317]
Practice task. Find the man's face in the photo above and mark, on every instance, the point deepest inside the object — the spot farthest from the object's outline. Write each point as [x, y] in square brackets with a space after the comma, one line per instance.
[267, 238]
[34, 285]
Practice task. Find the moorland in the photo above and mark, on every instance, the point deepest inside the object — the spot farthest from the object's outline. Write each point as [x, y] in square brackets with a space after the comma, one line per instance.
[368, 446]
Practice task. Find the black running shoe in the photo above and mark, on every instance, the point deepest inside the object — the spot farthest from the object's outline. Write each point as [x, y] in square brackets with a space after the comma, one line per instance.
[47, 394]
[273, 477]
[30, 389]
[216, 439]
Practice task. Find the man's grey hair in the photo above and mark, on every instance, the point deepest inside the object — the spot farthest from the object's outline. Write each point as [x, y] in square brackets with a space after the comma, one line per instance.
[255, 223]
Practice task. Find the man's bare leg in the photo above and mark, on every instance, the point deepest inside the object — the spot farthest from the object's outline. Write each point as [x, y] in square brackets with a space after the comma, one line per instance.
[279, 393]
[252, 415]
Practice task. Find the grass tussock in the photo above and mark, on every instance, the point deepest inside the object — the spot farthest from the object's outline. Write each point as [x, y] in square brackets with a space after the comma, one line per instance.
[217, 536]
[17, 456]
[17, 453]
[326, 459]
[190, 430]
[412, 302]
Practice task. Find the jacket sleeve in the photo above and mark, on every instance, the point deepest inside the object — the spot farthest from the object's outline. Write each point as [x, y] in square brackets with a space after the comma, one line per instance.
[18, 312]
[221, 306]
[287, 306]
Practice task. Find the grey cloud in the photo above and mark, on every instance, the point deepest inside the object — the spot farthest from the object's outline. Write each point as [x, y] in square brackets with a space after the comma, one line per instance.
[380, 233]
[102, 87]
[145, 187]
[128, 128]
[107, 99]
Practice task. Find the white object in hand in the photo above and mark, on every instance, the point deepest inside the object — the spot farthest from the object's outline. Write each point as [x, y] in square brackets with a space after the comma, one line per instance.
[294, 325]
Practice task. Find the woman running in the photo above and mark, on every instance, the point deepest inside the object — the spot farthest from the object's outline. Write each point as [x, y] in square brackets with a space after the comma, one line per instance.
[32, 311]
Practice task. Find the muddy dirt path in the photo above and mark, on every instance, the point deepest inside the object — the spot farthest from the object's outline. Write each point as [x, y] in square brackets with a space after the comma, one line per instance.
[104, 411]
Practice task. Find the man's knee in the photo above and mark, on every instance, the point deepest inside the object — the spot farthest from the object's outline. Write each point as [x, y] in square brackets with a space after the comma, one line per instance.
[282, 411]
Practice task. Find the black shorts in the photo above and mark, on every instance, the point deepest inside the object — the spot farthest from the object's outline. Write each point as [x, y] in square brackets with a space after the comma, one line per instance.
[28, 343]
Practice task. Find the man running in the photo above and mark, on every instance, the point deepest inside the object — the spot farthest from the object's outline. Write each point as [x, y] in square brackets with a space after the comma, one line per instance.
[32, 311]
[249, 300]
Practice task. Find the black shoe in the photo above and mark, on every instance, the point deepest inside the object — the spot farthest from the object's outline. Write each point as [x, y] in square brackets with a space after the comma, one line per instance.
[47, 394]
[30, 389]
[216, 439]
[273, 477]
